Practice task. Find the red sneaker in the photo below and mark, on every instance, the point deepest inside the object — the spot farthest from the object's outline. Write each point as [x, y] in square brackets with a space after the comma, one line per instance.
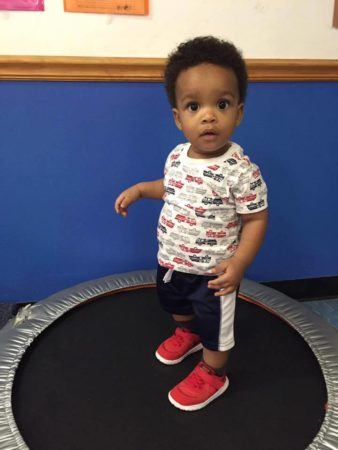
[181, 344]
[200, 388]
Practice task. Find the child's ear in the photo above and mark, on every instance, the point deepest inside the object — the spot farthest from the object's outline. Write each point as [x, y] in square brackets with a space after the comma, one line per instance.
[177, 118]
[240, 114]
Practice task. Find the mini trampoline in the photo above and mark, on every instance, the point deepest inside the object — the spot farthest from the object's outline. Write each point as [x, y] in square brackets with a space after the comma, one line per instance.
[77, 371]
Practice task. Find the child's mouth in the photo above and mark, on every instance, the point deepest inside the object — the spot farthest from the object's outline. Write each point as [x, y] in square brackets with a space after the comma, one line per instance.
[208, 135]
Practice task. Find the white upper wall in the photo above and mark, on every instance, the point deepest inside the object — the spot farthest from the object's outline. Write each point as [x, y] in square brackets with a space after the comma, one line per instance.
[260, 28]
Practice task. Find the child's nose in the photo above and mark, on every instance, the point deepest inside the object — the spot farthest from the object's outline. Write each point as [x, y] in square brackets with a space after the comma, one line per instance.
[208, 116]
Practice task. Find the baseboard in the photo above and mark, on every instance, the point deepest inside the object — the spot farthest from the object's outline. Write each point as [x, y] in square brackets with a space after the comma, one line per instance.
[307, 289]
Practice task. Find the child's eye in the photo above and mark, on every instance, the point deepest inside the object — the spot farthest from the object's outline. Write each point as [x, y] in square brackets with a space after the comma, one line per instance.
[193, 107]
[223, 104]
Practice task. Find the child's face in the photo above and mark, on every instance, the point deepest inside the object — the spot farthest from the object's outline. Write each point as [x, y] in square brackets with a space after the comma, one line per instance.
[207, 108]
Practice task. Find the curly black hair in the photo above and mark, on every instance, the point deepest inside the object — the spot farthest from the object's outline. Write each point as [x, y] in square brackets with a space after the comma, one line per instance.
[204, 49]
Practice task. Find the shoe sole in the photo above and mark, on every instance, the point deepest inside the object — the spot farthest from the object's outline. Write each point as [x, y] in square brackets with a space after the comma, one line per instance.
[200, 405]
[170, 362]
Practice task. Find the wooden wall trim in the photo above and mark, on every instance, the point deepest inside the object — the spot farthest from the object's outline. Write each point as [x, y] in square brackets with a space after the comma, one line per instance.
[67, 68]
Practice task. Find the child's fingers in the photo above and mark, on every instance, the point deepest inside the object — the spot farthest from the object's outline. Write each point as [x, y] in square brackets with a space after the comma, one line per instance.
[222, 285]
[218, 282]
[125, 199]
[221, 288]
[225, 291]
[117, 205]
[121, 205]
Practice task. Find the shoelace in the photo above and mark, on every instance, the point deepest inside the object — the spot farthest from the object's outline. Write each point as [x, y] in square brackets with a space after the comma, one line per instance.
[178, 340]
[195, 380]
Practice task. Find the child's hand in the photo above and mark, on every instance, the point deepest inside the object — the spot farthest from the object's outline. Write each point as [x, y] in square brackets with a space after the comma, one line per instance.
[231, 272]
[126, 198]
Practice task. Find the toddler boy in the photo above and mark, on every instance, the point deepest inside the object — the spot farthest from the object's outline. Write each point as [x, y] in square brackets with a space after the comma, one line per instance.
[214, 216]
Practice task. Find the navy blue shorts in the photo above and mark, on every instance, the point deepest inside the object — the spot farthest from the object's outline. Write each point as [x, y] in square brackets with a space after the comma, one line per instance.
[187, 294]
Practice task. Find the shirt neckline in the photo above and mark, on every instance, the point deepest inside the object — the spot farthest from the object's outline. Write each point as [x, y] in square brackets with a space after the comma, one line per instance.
[209, 161]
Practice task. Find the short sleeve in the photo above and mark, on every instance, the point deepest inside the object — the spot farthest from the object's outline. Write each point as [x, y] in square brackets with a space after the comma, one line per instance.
[172, 158]
[249, 190]
[167, 165]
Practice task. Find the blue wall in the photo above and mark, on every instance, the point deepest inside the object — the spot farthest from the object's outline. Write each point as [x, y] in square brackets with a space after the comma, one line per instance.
[68, 149]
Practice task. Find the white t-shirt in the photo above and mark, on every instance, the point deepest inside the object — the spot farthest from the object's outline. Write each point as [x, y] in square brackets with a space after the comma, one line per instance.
[199, 224]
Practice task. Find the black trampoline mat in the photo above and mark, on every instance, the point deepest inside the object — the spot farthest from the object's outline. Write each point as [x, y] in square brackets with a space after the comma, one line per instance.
[91, 381]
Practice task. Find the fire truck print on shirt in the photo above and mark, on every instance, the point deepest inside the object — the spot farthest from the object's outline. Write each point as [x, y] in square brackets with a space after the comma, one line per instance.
[200, 223]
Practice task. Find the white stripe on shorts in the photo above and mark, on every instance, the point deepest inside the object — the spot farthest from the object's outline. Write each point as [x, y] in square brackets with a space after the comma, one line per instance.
[168, 275]
[226, 330]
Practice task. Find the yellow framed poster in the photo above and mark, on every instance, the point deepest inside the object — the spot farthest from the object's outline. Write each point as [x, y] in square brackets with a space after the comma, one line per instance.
[138, 7]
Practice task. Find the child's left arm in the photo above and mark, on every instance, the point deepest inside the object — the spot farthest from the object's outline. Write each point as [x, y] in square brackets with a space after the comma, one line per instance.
[232, 270]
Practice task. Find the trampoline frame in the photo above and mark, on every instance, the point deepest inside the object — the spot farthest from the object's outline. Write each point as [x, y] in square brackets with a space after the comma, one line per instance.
[19, 333]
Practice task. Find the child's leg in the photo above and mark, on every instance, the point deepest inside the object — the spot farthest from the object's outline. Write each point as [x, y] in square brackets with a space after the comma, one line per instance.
[173, 296]
[186, 318]
[216, 359]
[215, 321]
[186, 321]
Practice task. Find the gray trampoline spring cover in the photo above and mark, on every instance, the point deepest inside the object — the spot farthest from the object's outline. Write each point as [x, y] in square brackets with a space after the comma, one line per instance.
[18, 334]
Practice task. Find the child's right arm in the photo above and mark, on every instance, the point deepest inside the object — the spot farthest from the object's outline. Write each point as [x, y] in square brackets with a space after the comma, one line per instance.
[147, 189]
